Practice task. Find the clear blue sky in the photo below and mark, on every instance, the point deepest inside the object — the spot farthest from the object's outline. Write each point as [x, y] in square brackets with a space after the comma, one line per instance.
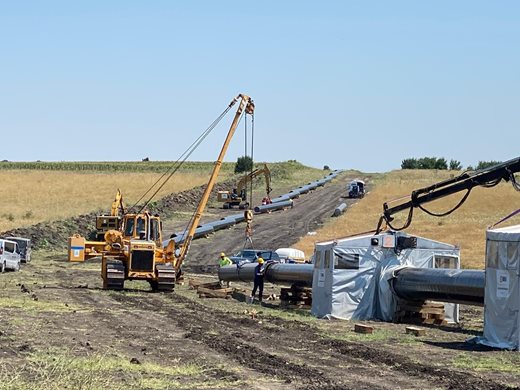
[351, 84]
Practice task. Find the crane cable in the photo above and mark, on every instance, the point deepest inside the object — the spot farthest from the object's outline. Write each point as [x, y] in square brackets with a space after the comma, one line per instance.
[195, 211]
[181, 160]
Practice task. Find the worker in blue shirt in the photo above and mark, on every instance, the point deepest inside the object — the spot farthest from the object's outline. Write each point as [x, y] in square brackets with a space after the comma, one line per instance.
[258, 280]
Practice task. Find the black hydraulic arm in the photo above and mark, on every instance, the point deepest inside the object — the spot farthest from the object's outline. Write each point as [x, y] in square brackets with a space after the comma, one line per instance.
[487, 177]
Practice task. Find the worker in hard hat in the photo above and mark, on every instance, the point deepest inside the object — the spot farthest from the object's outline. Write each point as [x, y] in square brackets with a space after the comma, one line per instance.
[224, 260]
[258, 280]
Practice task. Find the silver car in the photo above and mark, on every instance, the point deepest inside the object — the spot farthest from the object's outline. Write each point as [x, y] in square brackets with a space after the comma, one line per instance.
[9, 256]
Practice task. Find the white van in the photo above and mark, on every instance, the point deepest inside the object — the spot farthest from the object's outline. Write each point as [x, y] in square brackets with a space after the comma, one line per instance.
[24, 248]
[9, 256]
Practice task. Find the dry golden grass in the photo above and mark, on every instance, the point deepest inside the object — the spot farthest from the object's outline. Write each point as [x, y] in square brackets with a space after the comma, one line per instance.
[31, 196]
[466, 227]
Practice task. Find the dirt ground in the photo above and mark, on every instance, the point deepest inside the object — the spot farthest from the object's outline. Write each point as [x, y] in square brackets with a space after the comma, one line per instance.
[59, 330]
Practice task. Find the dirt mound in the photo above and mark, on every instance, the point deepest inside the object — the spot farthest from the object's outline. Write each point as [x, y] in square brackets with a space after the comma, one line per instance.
[54, 234]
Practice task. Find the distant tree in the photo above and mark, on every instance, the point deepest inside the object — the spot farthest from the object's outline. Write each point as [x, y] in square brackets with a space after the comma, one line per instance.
[409, 163]
[424, 163]
[326, 168]
[455, 165]
[441, 163]
[486, 164]
[244, 164]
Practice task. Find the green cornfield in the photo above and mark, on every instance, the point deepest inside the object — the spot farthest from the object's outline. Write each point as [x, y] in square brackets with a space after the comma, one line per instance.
[114, 166]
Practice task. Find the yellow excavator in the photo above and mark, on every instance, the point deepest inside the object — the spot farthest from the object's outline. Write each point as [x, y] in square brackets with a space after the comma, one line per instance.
[238, 197]
[135, 251]
[104, 223]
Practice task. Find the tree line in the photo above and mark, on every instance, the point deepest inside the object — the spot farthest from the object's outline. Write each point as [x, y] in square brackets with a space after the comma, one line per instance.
[442, 163]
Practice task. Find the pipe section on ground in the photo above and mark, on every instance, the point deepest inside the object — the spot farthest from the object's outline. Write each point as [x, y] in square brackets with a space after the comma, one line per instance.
[340, 210]
[274, 206]
[439, 284]
[274, 273]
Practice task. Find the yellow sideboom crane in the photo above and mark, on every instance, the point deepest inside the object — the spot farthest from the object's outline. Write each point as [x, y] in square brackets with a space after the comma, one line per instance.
[247, 104]
[238, 197]
[135, 250]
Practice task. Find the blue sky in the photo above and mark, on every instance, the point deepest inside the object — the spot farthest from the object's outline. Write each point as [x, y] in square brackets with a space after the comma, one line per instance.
[350, 84]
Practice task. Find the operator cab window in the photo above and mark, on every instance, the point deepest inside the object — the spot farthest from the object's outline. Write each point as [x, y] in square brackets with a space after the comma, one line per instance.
[141, 225]
[129, 228]
[154, 229]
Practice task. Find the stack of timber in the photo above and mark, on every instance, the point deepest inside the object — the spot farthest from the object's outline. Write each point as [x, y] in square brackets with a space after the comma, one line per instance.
[420, 312]
[211, 289]
[296, 297]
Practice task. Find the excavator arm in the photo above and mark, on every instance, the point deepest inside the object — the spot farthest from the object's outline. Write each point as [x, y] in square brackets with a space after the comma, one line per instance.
[487, 177]
[257, 172]
[118, 207]
[247, 105]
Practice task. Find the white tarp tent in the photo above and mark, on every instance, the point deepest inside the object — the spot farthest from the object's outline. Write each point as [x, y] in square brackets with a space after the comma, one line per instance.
[502, 291]
[351, 275]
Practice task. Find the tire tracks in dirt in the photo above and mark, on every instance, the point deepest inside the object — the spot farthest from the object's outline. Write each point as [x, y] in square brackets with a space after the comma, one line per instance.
[300, 355]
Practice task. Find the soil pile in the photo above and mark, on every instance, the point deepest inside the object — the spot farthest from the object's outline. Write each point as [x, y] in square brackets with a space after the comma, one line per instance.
[54, 234]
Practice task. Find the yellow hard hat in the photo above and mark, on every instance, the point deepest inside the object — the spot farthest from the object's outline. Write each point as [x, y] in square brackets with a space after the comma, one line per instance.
[260, 260]
[222, 254]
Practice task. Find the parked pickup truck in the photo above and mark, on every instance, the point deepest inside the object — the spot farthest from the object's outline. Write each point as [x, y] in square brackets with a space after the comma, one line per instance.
[9, 256]
[249, 256]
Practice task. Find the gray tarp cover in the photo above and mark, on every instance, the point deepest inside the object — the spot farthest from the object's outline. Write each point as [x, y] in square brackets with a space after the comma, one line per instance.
[351, 276]
[502, 291]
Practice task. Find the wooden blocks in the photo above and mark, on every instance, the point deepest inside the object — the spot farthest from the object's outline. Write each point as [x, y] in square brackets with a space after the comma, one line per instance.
[415, 331]
[215, 292]
[365, 329]
[420, 312]
[211, 289]
[296, 297]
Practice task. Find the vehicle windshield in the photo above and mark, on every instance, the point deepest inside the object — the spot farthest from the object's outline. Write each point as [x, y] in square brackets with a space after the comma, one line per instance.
[250, 254]
[22, 244]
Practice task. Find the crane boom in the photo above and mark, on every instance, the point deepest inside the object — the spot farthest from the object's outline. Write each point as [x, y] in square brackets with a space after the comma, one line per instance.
[247, 104]
[487, 177]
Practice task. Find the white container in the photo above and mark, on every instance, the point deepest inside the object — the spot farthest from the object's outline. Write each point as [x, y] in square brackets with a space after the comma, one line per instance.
[293, 254]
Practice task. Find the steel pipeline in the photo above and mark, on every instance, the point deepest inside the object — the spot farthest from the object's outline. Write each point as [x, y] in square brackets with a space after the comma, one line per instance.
[445, 285]
[274, 273]
[439, 284]
[273, 206]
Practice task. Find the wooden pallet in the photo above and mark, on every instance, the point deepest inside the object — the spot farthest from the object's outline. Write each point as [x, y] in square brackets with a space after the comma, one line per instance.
[424, 312]
[211, 289]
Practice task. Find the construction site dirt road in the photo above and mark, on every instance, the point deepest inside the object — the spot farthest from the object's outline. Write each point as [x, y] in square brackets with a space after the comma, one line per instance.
[279, 229]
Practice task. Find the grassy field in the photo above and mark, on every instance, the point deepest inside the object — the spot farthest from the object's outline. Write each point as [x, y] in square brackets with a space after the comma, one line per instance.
[44, 192]
[466, 227]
